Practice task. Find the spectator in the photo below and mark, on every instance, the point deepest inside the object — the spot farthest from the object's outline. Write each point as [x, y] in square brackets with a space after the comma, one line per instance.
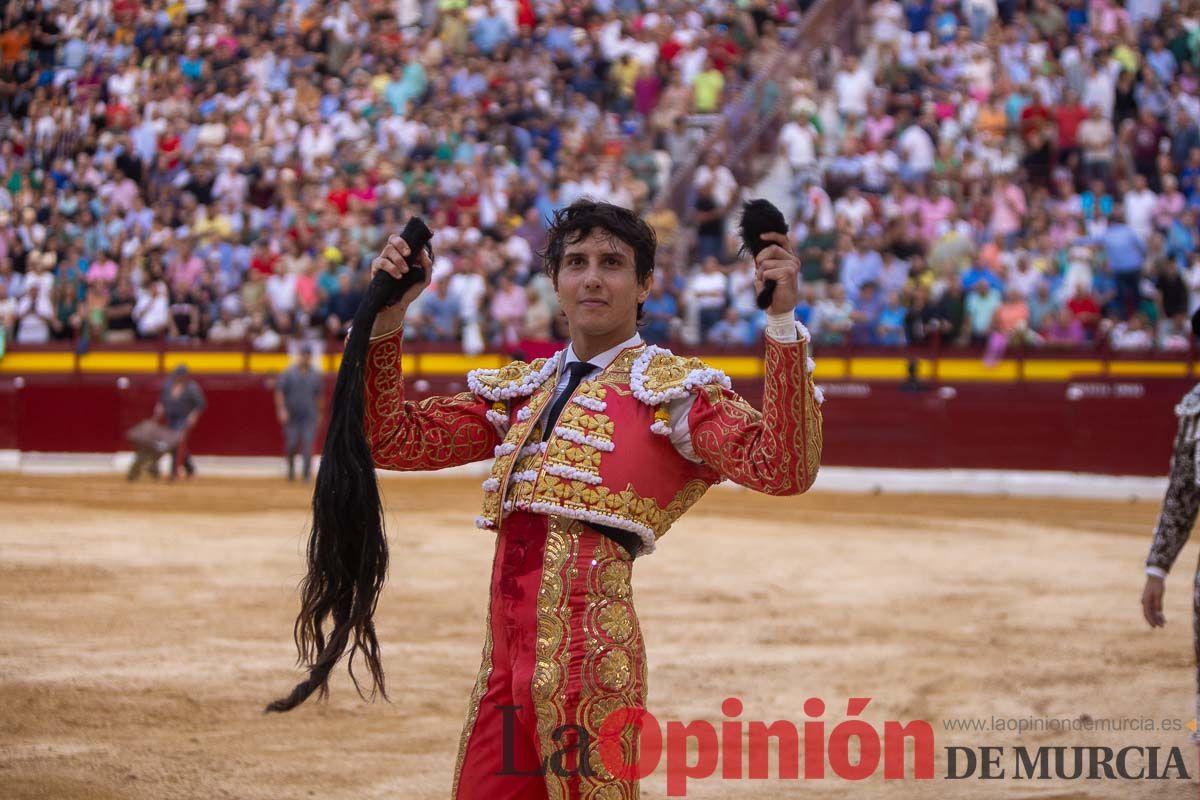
[919, 321]
[121, 326]
[1064, 329]
[8, 316]
[438, 316]
[1125, 251]
[710, 229]
[1043, 307]
[1008, 207]
[229, 327]
[1132, 334]
[36, 319]
[708, 290]
[719, 178]
[949, 314]
[1096, 139]
[916, 150]
[853, 85]
[260, 334]
[1140, 204]
[1085, 308]
[980, 307]
[1175, 333]
[1012, 319]
[1171, 291]
[833, 317]
[866, 315]
[800, 139]
[731, 329]
[858, 267]
[659, 312]
[508, 310]
[853, 209]
[151, 313]
[343, 304]
[708, 88]
[890, 323]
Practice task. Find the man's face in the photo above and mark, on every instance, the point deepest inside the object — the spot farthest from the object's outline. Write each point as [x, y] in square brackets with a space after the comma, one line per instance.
[597, 285]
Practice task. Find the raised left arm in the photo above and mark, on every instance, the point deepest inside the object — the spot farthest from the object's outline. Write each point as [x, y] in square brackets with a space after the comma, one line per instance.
[776, 451]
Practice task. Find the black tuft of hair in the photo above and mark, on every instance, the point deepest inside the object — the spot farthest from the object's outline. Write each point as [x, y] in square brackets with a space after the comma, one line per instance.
[759, 217]
[347, 545]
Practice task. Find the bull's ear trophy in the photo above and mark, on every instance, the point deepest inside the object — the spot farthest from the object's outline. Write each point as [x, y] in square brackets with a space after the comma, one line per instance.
[759, 217]
[347, 546]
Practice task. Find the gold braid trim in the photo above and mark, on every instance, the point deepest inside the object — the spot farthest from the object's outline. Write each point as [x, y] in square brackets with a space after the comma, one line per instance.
[776, 451]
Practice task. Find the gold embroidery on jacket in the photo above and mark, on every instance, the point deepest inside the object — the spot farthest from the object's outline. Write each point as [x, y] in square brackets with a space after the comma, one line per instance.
[665, 372]
[778, 450]
[552, 651]
[441, 432]
[510, 375]
[517, 436]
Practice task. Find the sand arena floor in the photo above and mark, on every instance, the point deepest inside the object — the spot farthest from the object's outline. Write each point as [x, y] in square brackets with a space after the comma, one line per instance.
[144, 627]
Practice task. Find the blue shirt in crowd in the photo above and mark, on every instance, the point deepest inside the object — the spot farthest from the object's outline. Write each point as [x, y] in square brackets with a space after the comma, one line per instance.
[1123, 247]
[657, 331]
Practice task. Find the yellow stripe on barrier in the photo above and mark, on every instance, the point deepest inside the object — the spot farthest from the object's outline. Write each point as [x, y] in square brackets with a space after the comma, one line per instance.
[737, 366]
[269, 362]
[118, 362]
[740, 367]
[1147, 369]
[973, 369]
[1062, 369]
[454, 363]
[887, 369]
[37, 362]
[206, 362]
[830, 369]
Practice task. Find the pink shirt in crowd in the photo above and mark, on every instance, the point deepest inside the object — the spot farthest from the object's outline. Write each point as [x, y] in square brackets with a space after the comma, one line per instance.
[934, 211]
[1008, 206]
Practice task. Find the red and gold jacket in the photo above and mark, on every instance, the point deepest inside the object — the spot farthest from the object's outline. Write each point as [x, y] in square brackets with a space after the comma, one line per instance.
[609, 459]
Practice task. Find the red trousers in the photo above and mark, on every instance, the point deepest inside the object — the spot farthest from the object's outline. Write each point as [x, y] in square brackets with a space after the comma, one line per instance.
[563, 651]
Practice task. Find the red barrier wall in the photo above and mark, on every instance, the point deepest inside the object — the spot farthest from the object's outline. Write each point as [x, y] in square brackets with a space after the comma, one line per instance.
[1105, 426]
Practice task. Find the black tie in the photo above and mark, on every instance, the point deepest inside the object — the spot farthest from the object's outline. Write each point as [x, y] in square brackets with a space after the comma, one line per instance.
[579, 370]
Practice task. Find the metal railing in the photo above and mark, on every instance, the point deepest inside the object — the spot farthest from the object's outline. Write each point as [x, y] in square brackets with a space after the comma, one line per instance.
[749, 122]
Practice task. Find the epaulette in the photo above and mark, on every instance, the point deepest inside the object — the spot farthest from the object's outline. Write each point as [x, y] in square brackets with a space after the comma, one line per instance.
[518, 379]
[658, 376]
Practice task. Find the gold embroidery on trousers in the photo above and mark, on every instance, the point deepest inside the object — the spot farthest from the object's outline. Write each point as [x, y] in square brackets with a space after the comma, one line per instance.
[613, 669]
[552, 652]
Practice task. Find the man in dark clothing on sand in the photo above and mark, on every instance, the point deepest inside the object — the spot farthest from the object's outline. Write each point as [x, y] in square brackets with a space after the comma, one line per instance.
[298, 396]
[180, 404]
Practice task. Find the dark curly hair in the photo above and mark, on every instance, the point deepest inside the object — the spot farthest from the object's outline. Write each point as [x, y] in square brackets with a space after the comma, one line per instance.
[575, 222]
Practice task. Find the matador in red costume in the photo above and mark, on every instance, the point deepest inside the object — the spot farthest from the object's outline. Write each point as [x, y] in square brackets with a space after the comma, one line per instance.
[597, 451]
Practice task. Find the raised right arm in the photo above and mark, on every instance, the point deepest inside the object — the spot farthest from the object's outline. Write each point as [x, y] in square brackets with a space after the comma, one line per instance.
[434, 433]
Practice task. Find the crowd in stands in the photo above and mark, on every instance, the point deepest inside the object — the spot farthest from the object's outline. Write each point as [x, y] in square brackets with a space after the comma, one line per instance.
[983, 171]
[1001, 173]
